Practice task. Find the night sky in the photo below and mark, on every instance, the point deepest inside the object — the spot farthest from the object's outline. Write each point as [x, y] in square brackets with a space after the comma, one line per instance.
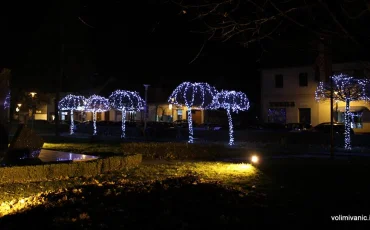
[134, 42]
[146, 44]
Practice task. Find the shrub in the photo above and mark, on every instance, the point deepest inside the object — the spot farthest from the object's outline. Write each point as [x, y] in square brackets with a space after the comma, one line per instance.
[33, 173]
[179, 151]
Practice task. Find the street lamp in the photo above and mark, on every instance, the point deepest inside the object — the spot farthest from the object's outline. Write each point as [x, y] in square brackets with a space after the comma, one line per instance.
[33, 112]
[33, 94]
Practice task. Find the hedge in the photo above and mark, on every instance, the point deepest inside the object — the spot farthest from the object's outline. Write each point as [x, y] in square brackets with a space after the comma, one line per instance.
[180, 151]
[34, 173]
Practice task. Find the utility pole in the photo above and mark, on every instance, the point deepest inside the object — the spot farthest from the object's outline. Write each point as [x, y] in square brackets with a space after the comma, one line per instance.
[331, 119]
[61, 69]
[146, 107]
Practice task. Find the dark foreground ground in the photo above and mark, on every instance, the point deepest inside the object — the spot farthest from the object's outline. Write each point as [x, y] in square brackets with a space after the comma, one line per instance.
[170, 195]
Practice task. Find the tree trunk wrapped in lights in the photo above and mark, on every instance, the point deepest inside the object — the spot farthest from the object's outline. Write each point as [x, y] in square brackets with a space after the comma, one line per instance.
[231, 101]
[72, 103]
[96, 104]
[193, 95]
[124, 101]
[346, 89]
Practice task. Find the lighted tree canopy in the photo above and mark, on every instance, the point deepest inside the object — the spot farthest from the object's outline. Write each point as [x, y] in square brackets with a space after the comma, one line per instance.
[346, 89]
[196, 95]
[123, 101]
[72, 103]
[96, 104]
[231, 101]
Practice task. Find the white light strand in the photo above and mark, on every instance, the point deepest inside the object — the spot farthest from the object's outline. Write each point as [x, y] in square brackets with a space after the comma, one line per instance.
[231, 130]
[124, 101]
[7, 100]
[194, 96]
[96, 104]
[190, 121]
[123, 125]
[95, 132]
[231, 101]
[347, 124]
[72, 125]
[72, 103]
[346, 89]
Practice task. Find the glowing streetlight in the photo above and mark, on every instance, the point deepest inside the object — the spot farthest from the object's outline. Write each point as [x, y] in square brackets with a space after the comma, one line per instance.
[33, 94]
[17, 109]
[255, 159]
[19, 105]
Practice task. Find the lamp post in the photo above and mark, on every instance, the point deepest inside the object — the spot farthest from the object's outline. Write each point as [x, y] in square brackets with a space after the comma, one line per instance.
[146, 106]
[331, 119]
[33, 109]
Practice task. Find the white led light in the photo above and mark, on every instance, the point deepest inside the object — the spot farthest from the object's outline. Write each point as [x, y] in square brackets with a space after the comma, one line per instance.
[124, 101]
[231, 101]
[193, 96]
[72, 103]
[346, 89]
[96, 104]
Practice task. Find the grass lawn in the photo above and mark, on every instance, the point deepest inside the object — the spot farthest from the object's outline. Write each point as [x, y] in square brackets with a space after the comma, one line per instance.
[85, 148]
[188, 195]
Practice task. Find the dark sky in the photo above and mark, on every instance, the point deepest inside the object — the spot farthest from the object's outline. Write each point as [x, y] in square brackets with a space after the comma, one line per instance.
[135, 42]
[138, 43]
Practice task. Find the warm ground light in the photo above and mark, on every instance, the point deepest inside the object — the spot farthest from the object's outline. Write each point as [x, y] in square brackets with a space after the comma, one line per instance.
[173, 194]
[18, 197]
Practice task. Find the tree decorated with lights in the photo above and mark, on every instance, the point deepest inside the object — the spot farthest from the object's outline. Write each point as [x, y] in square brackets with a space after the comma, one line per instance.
[346, 89]
[231, 101]
[124, 101]
[72, 103]
[196, 95]
[96, 104]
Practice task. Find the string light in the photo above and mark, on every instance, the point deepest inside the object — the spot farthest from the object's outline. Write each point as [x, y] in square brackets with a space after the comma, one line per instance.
[96, 104]
[231, 101]
[124, 101]
[196, 95]
[72, 103]
[346, 89]
[7, 100]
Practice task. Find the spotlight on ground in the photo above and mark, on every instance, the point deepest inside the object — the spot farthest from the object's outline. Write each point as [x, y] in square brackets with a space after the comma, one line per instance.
[255, 159]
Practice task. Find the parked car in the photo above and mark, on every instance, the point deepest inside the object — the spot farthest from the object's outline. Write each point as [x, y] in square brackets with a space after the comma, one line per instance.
[297, 127]
[338, 127]
[208, 126]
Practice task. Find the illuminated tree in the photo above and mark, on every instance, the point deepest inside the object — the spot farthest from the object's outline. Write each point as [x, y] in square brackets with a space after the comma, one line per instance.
[346, 89]
[72, 103]
[96, 104]
[193, 95]
[124, 101]
[231, 101]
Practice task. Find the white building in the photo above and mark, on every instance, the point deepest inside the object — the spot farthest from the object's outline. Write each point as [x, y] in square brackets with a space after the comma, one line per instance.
[288, 96]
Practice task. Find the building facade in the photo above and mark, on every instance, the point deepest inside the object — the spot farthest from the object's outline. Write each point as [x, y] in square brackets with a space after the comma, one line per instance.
[288, 96]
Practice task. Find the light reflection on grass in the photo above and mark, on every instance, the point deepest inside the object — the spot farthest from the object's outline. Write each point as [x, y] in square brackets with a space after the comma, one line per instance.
[19, 197]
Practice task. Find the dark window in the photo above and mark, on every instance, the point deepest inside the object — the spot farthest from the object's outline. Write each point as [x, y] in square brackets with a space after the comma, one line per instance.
[279, 81]
[303, 79]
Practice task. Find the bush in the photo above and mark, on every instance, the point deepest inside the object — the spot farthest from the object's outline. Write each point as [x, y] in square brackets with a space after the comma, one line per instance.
[178, 151]
[33, 173]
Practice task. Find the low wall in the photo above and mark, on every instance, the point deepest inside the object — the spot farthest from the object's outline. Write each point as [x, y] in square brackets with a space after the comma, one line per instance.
[34, 173]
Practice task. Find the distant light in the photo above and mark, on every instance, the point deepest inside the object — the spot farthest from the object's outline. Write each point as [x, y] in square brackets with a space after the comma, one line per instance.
[17, 109]
[33, 94]
[170, 106]
[254, 159]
